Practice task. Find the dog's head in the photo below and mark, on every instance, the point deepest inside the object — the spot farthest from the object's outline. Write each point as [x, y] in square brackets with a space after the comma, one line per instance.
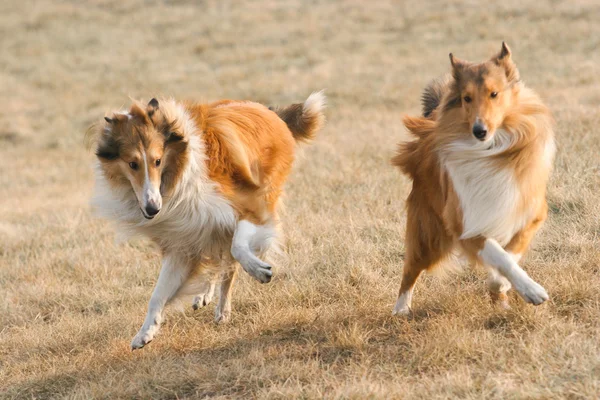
[143, 149]
[484, 92]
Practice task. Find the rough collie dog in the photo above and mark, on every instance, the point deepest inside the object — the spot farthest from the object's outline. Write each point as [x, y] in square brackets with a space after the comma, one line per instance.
[203, 181]
[480, 163]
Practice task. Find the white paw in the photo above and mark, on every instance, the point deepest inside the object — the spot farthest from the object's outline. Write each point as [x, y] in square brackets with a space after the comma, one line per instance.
[222, 316]
[259, 270]
[532, 292]
[141, 339]
[401, 310]
[503, 303]
[202, 300]
[402, 306]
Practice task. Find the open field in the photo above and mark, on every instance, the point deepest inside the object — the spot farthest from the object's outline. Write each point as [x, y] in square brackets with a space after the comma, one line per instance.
[72, 298]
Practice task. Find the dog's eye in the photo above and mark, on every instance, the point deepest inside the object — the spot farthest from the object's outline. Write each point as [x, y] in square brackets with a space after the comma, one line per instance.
[467, 99]
[158, 162]
[133, 165]
[493, 95]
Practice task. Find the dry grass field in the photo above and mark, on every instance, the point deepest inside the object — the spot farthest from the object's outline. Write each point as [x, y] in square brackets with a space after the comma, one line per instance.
[71, 297]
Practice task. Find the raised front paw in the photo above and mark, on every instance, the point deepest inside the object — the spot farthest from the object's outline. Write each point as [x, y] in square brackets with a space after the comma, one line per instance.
[259, 270]
[532, 292]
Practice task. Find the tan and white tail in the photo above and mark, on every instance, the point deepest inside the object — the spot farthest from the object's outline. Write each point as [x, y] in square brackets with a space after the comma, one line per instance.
[304, 119]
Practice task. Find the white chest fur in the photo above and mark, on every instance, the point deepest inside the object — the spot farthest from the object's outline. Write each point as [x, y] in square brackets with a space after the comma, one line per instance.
[196, 220]
[489, 198]
[489, 195]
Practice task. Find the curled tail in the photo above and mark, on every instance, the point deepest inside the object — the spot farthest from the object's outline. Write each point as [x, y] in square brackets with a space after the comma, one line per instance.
[410, 153]
[432, 95]
[304, 119]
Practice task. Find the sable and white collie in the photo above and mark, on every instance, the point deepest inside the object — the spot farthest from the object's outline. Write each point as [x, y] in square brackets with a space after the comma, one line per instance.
[479, 165]
[203, 181]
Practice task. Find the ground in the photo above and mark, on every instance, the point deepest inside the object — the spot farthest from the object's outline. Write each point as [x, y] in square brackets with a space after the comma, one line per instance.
[72, 298]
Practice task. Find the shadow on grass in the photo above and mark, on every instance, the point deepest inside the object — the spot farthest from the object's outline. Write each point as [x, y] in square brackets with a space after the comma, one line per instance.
[167, 369]
[236, 365]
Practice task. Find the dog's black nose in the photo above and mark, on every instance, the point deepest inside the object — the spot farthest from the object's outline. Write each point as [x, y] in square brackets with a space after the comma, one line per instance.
[479, 131]
[151, 210]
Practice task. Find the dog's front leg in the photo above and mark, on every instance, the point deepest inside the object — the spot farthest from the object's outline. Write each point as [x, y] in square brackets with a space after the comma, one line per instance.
[173, 274]
[247, 239]
[494, 255]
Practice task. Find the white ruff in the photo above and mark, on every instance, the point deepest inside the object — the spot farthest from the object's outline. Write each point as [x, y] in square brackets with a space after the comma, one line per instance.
[489, 196]
[195, 220]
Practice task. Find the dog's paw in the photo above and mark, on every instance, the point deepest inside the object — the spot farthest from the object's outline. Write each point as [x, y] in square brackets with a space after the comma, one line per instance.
[222, 316]
[202, 300]
[401, 308]
[532, 292]
[141, 339]
[503, 305]
[403, 311]
[500, 300]
[259, 270]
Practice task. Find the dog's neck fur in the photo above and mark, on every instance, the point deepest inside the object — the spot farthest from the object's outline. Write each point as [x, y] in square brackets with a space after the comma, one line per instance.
[491, 180]
[195, 218]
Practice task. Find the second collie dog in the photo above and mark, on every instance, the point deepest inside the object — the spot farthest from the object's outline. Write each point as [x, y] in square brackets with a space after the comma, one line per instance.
[483, 152]
[203, 181]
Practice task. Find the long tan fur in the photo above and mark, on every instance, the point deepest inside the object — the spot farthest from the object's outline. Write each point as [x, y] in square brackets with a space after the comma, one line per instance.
[468, 192]
[203, 181]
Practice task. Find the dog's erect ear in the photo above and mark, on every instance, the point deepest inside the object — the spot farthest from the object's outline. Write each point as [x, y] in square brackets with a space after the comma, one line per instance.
[504, 60]
[152, 107]
[504, 52]
[109, 120]
[458, 66]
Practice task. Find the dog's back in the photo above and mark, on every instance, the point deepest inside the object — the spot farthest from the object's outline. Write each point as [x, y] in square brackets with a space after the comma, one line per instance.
[250, 149]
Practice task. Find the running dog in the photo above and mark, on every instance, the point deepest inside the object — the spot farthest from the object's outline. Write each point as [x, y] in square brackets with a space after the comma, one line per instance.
[480, 163]
[203, 181]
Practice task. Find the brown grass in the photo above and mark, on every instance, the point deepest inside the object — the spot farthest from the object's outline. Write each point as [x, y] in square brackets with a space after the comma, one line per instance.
[72, 299]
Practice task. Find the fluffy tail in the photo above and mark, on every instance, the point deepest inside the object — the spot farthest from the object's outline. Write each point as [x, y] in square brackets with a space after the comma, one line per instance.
[304, 120]
[409, 154]
[433, 93]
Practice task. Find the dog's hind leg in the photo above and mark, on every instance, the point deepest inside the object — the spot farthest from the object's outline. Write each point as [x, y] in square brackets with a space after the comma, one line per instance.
[223, 310]
[498, 286]
[174, 273]
[426, 244]
[413, 268]
[410, 274]
[248, 240]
